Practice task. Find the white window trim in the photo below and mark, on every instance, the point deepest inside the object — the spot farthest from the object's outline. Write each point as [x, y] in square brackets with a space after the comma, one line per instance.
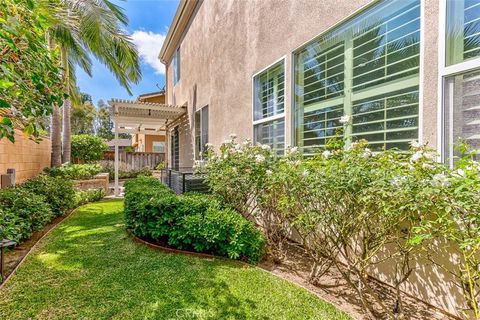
[277, 116]
[444, 72]
[195, 153]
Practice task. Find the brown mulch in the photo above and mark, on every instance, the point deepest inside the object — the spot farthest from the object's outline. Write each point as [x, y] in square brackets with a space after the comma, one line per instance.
[296, 268]
[15, 256]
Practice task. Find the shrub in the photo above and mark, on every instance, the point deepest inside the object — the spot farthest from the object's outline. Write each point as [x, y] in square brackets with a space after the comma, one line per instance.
[86, 148]
[192, 221]
[24, 213]
[59, 192]
[126, 174]
[86, 196]
[353, 209]
[75, 171]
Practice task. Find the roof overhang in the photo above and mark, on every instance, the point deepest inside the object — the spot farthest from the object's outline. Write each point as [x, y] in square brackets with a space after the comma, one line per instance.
[180, 22]
[143, 117]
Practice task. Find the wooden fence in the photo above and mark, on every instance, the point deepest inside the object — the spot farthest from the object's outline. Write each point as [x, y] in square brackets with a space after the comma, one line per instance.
[135, 160]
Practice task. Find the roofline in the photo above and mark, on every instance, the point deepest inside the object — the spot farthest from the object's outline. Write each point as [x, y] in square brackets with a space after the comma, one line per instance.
[179, 24]
[152, 94]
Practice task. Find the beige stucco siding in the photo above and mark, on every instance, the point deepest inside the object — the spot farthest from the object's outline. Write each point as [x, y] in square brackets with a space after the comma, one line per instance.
[227, 42]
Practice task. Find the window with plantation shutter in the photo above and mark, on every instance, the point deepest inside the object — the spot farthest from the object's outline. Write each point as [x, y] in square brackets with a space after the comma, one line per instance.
[463, 30]
[268, 107]
[368, 69]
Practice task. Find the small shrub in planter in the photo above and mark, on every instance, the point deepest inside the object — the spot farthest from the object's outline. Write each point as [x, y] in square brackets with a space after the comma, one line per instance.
[86, 196]
[75, 171]
[192, 222]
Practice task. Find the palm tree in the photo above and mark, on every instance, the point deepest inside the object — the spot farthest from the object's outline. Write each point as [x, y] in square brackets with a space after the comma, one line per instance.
[84, 28]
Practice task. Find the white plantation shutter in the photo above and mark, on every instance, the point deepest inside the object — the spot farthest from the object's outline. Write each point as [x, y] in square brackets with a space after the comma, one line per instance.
[367, 68]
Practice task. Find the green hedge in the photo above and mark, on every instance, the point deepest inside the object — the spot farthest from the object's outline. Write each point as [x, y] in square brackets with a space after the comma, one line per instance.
[28, 207]
[191, 222]
[75, 171]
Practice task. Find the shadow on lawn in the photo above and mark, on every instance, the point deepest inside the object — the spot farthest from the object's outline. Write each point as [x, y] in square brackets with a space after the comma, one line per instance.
[108, 268]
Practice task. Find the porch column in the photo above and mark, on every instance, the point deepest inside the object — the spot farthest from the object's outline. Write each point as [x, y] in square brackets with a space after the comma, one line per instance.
[116, 160]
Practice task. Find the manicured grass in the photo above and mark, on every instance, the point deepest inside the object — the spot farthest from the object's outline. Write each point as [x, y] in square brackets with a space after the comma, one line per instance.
[88, 268]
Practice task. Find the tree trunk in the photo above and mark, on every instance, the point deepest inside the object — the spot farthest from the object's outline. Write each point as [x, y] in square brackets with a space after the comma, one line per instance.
[67, 133]
[56, 159]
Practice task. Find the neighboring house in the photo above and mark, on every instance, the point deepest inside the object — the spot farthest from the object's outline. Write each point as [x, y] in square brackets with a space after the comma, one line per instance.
[123, 144]
[285, 72]
[150, 142]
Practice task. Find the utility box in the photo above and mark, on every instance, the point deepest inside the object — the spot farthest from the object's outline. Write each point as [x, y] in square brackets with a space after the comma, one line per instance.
[13, 172]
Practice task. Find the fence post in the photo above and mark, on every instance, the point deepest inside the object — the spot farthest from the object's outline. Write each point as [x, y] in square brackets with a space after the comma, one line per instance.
[183, 182]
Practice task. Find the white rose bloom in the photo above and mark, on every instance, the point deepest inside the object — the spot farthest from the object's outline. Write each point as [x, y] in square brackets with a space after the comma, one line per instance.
[269, 172]
[259, 158]
[396, 181]
[246, 142]
[415, 144]
[294, 150]
[209, 145]
[232, 136]
[227, 141]
[427, 166]
[431, 156]
[416, 156]
[305, 173]
[265, 147]
[345, 119]
[225, 156]
[440, 180]
[326, 154]
[367, 153]
[238, 146]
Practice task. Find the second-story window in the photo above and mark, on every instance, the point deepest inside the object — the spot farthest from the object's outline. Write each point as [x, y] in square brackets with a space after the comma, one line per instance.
[176, 66]
[268, 107]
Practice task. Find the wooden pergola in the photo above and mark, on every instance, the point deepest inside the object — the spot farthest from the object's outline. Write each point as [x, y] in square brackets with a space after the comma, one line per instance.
[136, 117]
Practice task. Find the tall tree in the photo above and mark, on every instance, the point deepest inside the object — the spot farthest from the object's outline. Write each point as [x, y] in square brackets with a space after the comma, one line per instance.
[103, 122]
[82, 28]
[82, 118]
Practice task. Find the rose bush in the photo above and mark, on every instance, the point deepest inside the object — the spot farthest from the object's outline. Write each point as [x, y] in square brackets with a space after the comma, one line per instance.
[353, 209]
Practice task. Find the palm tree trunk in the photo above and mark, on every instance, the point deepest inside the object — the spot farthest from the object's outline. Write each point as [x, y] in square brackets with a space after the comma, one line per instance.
[66, 136]
[67, 133]
[56, 159]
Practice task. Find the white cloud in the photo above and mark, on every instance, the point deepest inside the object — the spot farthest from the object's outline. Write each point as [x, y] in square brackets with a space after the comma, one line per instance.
[149, 45]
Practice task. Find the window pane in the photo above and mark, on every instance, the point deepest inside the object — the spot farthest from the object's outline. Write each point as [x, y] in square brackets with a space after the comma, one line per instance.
[367, 68]
[158, 146]
[269, 92]
[462, 113]
[198, 142]
[176, 66]
[271, 133]
[463, 30]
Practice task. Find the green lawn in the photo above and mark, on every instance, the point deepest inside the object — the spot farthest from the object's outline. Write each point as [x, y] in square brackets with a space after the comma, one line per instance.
[88, 268]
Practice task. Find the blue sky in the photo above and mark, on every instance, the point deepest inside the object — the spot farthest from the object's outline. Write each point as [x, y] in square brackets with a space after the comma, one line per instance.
[149, 22]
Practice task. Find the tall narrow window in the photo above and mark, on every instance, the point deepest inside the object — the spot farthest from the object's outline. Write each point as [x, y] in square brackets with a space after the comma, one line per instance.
[201, 132]
[176, 66]
[461, 102]
[268, 108]
[368, 69]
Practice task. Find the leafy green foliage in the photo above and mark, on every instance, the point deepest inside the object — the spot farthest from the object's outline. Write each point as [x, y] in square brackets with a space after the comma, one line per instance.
[29, 73]
[126, 174]
[192, 222]
[86, 148]
[87, 196]
[59, 192]
[75, 171]
[353, 209]
[30, 206]
[91, 262]
[24, 213]
[82, 117]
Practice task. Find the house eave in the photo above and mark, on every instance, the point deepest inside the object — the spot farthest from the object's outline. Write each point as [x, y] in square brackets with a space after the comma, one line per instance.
[179, 24]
